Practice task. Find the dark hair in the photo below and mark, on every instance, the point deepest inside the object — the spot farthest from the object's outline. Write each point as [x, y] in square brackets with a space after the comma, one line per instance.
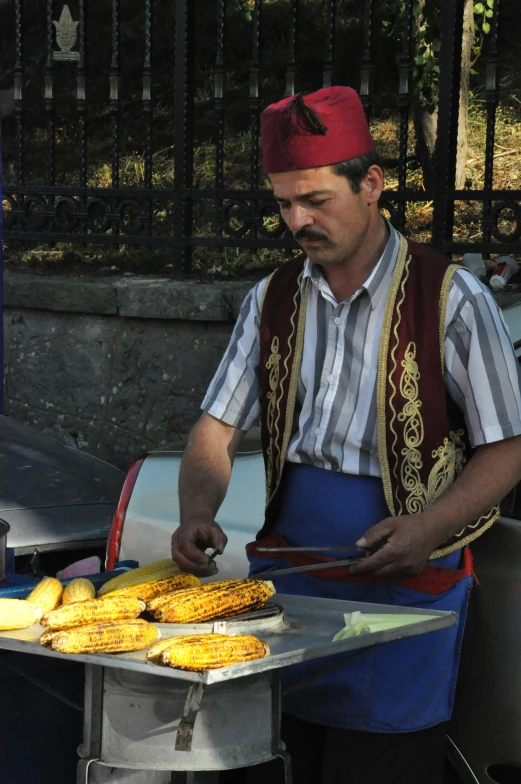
[355, 170]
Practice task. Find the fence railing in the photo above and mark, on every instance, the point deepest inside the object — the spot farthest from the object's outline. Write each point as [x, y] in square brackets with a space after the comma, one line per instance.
[98, 97]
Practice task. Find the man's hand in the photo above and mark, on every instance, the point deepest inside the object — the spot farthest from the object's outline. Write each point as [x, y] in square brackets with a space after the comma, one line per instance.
[407, 549]
[189, 542]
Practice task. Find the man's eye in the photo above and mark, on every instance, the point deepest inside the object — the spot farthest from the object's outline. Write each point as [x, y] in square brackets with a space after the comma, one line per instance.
[283, 206]
[318, 203]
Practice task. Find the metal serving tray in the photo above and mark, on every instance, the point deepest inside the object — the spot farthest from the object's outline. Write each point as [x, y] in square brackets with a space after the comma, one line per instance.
[310, 625]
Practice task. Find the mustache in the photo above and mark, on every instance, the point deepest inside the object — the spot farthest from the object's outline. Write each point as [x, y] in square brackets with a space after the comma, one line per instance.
[309, 234]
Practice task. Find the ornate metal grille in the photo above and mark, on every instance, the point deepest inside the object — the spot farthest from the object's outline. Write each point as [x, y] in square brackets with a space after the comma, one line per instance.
[64, 203]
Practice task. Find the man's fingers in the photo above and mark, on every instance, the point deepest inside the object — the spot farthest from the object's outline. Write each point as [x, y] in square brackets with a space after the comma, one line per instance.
[376, 534]
[207, 569]
[195, 539]
[188, 546]
[219, 539]
[373, 563]
[185, 564]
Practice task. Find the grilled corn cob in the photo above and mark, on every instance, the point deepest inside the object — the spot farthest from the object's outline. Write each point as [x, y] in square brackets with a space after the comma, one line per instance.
[46, 638]
[17, 614]
[221, 584]
[155, 588]
[47, 594]
[220, 602]
[159, 570]
[78, 590]
[108, 637]
[161, 601]
[210, 651]
[154, 605]
[157, 650]
[92, 611]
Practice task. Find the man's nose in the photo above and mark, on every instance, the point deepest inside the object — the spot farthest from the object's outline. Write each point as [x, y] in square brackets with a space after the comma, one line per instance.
[298, 218]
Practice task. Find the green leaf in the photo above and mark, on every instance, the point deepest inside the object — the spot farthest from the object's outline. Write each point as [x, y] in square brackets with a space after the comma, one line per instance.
[436, 45]
[490, 3]
[486, 28]
[479, 8]
[489, 12]
[436, 68]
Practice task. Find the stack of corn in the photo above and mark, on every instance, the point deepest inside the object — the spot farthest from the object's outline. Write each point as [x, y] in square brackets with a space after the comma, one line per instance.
[215, 600]
[78, 590]
[22, 613]
[17, 614]
[207, 651]
[159, 570]
[148, 591]
[108, 625]
[144, 583]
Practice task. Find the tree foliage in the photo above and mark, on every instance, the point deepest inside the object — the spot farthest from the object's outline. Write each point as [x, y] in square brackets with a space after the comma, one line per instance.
[427, 40]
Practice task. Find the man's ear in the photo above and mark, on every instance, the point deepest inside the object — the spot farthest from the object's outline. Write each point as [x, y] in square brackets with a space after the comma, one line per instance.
[373, 184]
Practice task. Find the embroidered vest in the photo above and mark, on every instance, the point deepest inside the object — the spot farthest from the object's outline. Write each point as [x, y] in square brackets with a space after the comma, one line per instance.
[422, 438]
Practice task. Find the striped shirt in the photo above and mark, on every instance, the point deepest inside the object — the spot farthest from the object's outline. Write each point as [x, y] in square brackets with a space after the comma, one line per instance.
[336, 395]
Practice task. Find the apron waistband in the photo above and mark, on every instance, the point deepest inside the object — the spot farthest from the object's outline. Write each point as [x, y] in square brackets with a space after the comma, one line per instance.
[433, 579]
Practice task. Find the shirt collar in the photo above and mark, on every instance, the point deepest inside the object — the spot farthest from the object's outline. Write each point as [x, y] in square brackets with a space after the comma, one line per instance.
[377, 283]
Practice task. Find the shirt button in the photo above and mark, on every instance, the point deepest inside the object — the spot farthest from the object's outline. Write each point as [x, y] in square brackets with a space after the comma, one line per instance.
[337, 320]
[317, 431]
[330, 379]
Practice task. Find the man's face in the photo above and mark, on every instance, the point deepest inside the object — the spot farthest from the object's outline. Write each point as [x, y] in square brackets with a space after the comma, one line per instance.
[328, 220]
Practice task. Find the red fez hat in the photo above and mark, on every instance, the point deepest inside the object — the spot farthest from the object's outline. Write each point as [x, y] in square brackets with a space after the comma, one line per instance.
[320, 129]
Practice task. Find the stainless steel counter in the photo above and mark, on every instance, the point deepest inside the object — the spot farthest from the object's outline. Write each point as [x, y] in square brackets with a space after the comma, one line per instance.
[310, 625]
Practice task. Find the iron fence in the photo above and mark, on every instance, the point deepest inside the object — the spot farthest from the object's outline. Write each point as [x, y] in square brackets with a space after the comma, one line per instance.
[61, 70]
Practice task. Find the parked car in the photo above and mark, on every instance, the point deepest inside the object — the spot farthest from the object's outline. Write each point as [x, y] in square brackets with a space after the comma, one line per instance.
[484, 739]
[58, 501]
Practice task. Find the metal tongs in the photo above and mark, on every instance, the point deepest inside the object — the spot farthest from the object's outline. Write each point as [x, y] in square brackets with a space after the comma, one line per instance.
[358, 555]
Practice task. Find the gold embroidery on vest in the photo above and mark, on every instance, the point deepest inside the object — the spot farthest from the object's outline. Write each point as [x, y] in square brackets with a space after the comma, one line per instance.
[399, 506]
[449, 457]
[295, 372]
[482, 525]
[413, 434]
[450, 462]
[275, 462]
[381, 387]
[273, 365]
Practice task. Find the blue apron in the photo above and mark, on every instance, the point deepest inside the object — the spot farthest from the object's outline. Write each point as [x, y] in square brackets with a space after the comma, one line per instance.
[401, 686]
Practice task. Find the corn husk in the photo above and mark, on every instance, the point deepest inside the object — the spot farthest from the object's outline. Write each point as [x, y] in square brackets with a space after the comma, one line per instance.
[357, 623]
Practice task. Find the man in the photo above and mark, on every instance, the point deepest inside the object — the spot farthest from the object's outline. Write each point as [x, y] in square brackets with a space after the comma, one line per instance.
[390, 406]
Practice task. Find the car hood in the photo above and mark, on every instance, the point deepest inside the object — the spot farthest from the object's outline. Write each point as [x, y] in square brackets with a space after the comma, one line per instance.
[38, 472]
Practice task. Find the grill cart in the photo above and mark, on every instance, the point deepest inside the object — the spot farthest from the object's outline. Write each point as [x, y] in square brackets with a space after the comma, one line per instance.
[140, 716]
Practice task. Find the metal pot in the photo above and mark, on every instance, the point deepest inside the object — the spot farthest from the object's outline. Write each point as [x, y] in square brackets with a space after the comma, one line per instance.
[4, 530]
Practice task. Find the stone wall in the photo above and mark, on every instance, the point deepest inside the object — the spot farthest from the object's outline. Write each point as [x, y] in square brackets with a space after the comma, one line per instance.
[116, 366]
[113, 366]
